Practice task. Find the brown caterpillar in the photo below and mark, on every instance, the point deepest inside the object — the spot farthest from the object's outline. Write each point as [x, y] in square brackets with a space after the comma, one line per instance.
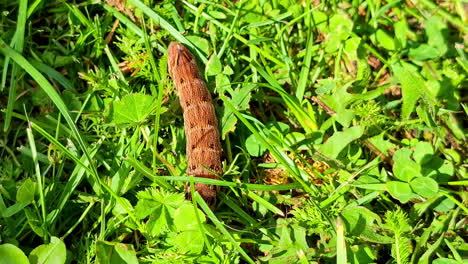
[200, 123]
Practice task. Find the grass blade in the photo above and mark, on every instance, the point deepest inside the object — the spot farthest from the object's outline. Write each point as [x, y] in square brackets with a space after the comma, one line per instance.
[221, 227]
[18, 41]
[53, 95]
[164, 24]
[40, 182]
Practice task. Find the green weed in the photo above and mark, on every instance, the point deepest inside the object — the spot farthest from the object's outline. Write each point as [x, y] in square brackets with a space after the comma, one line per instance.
[343, 127]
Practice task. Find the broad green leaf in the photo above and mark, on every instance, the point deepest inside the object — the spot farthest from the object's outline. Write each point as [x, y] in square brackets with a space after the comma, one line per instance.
[351, 47]
[186, 219]
[384, 39]
[53, 253]
[160, 221]
[200, 43]
[115, 253]
[364, 223]
[437, 34]
[411, 94]
[424, 114]
[26, 192]
[406, 171]
[445, 261]
[340, 99]
[443, 205]
[294, 138]
[404, 167]
[400, 190]
[381, 144]
[34, 221]
[353, 214]
[423, 152]
[292, 240]
[325, 85]
[217, 14]
[133, 109]
[401, 31]
[159, 205]
[214, 66]
[439, 169]
[223, 84]
[362, 253]
[345, 117]
[319, 19]
[412, 87]
[254, 147]
[125, 253]
[240, 99]
[340, 28]
[336, 143]
[189, 241]
[423, 52]
[402, 155]
[10, 254]
[425, 186]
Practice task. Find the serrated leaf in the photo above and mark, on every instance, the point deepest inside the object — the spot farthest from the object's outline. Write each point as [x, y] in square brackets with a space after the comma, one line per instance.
[425, 186]
[382, 144]
[223, 84]
[336, 143]
[400, 190]
[10, 254]
[111, 252]
[185, 218]
[340, 28]
[201, 43]
[160, 221]
[364, 223]
[412, 87]
[53, 253]
[325, 85]
[344, 117]
[240, 99]
[292, 240]
[214, 66]
[159, 205]
[133, 109]
[190, 241]
[437, 34]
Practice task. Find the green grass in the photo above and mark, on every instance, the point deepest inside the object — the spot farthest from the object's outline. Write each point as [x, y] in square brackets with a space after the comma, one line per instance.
[343, 127]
